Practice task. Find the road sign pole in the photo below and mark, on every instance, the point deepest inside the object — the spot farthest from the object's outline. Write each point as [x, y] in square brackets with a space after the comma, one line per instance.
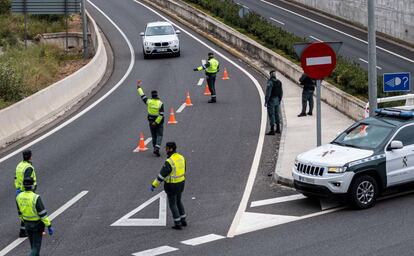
[25, 24]
[318, 114]
[85, 30]
[372, 59]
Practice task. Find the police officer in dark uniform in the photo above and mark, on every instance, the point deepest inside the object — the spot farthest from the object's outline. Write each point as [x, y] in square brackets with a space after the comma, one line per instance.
[274, 95]
[173, 175]
[155, 117]
[33, 214]
[307, 93]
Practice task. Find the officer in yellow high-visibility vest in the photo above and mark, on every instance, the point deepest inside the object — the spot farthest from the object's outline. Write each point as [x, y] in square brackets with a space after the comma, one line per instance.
[173, 175]
[155, 117]
[33, 214]
[211, 68]
[24, 170]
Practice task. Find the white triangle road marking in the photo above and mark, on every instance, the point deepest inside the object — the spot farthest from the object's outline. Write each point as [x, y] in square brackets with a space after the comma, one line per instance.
[156, 251]
[251, 221]
[126, 221]
[277, 200]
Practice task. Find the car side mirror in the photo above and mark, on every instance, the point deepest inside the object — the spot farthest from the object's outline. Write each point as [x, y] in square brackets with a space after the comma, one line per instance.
[395, 144]
[141, 34]
[178, 32]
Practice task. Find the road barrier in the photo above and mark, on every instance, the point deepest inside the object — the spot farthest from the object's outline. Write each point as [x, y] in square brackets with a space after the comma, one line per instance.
[33, 112]
[254, 53]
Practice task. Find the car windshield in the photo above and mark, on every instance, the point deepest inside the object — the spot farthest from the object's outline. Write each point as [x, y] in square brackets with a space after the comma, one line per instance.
[365, 136]
[159, 31]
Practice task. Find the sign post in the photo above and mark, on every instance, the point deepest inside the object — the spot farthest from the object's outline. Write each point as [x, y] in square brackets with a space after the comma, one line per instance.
[318, 60]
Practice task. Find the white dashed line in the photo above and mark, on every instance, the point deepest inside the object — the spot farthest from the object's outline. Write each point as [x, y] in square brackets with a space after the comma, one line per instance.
[316, 39]
[200, 82]
[365, 61]
[156, 251]
[59, 211]
[202, 239]
[148, 140]
[336, 30]
[181, 108]
[278, 21]
[277, 200]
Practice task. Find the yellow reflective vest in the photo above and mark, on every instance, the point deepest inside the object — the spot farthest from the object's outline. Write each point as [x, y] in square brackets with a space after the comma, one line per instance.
[177, 174]
[26, 201]
[20, 169]
[212, 67]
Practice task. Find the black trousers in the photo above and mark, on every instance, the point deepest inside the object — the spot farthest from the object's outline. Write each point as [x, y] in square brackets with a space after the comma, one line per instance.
[35, 232]
[174, 192]
[211, 81]
[156, 134]
[307, 96]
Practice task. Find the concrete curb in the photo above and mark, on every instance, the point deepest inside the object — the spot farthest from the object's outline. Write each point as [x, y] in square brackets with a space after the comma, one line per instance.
[32, 113]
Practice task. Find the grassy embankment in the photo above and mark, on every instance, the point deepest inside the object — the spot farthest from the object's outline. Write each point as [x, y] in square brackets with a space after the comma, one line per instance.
[24, 71]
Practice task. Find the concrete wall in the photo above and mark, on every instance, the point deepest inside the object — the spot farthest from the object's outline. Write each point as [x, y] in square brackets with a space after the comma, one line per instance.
[33, 112]
[394, 17]
[255, 54]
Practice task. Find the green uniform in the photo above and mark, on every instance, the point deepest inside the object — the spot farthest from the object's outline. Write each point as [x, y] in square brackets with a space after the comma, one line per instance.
[34, 216]
[173, 175]
[211, 68]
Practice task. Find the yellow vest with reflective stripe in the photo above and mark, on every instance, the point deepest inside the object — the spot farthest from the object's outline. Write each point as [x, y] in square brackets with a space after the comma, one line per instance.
[177, 174]
[26, 202]
[20, 169]
[213, 68]
[154, 106]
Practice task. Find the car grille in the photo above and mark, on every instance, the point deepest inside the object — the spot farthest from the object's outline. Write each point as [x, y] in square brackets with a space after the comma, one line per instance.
[309, 169]
[161, 44]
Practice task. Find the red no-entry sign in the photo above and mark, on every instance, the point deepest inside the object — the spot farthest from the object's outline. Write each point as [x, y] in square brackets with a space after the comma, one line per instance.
[318, 60]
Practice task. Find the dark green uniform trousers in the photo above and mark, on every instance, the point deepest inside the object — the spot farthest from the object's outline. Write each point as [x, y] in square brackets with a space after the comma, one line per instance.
[34, 231]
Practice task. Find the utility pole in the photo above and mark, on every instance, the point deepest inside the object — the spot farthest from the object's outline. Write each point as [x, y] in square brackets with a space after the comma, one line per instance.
[372, 58]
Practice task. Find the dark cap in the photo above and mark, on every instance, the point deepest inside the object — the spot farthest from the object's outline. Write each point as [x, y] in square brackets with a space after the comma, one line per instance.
[271, 72]
[210, 54]
[154, 94]
[27, 154]
[28, 181]
[171, 145]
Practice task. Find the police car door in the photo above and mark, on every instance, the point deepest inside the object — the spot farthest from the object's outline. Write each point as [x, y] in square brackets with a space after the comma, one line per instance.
[400, 162]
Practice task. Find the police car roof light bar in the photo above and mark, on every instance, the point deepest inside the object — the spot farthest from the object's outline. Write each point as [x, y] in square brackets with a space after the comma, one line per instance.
[395, 112]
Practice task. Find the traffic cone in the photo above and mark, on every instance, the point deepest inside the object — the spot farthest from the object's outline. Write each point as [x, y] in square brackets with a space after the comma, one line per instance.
[207, 90]
[188, 102]
[225, 75]
[172, 117]
[141, 145]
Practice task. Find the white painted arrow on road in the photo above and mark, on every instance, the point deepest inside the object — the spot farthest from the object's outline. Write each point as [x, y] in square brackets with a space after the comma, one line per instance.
[160, 221]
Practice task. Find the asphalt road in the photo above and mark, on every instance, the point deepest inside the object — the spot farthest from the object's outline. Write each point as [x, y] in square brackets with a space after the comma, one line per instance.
[301, 22]
[94, 153]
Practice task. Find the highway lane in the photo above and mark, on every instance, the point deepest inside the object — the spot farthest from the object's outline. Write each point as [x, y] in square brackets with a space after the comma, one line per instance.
[94, 153]
[315, 28]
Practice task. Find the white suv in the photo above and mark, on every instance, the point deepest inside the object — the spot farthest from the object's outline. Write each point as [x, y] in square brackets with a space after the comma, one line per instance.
[368, 158]
[160, 38]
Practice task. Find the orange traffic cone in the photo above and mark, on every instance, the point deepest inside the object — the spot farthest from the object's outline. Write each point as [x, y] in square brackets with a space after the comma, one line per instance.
[207, 90]
[225, 75]
[188, 102]
[141, 145]
[172, 117]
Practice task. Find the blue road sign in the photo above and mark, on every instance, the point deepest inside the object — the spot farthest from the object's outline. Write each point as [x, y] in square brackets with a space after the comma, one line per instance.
[397, 82]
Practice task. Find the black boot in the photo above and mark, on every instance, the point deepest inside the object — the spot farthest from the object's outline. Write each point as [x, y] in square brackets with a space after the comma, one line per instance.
[277, 128]
[309, 113]
[302, 114]
[177, 225]
[272, 130]
[157, 152]
[183, 222]
[213, 100]
[22, 233]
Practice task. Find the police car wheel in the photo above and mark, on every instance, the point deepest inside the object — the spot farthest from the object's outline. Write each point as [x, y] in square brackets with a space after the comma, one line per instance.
[364, 191]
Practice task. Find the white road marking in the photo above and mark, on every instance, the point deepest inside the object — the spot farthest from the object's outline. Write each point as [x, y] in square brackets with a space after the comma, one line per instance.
[277, 200]
[156, 251]
[52, 216]
[365, 61]
[316, 39]
[263, 120]
[181, 108]
[148, 140]
[243, 5]
[200, 82]
[278, 21]
[336, 30]
[131, 65]
[202, 239]
[318, 61]
[160, 221]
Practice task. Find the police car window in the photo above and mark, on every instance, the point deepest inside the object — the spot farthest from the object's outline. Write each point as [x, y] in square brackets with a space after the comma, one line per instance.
[365, 136]
[406, 135]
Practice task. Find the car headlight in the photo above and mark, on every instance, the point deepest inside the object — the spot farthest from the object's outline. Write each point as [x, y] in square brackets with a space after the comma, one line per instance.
[174, 42]
[336, 169]
[296, 162]
[147, 43]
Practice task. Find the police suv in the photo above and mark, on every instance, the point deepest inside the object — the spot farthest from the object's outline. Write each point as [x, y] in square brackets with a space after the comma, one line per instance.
[369, 157]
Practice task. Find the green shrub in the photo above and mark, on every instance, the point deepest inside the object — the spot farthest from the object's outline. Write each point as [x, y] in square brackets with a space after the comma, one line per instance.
[5, 6]
[10, 83]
